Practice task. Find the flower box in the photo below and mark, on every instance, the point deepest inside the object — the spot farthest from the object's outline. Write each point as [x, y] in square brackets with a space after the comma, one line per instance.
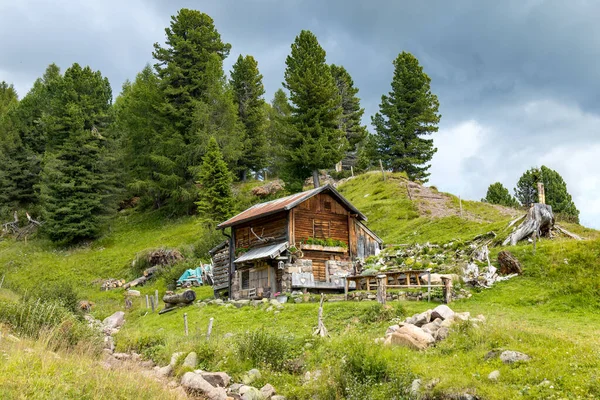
[318, 247]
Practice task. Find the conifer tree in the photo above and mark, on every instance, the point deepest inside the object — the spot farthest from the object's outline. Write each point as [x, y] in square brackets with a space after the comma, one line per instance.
[407, 115]
[350, 122]
[317, 142]
[498, 194]
[248, 91]
[8, 97]
[215, 198]
[77, 184]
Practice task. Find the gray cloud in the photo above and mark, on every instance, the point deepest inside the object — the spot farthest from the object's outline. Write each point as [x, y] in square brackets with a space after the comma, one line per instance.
[517, 80]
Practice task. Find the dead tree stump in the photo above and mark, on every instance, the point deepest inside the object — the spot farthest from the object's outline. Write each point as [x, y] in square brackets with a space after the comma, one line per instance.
[508, 263]
[539, 219]
[381, 288]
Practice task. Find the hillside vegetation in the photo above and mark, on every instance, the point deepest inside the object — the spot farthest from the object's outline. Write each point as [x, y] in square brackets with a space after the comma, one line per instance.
[550, 313]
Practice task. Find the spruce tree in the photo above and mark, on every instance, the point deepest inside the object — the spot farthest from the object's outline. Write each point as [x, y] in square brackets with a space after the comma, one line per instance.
[8, 98]
[215, 199]
[77, 184]
[317, 142]
[526, 190]
[498, 194]
[248, 91]
[350, 122]
[407, 115]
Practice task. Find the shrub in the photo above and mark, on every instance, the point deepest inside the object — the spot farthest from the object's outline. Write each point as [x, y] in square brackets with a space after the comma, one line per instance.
[378, 313]
[263, 348]
[60, 293]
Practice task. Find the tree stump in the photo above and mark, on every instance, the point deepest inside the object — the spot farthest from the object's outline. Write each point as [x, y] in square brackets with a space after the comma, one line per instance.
[539, 219]
[381, 288]
[508, 263]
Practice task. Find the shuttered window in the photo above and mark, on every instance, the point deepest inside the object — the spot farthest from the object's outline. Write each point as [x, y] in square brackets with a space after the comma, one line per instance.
[245, 279]
[321, 229]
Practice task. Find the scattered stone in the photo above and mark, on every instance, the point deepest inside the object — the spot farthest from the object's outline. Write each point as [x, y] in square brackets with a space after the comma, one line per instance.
[267, 391]
[122, 356]
[195, 382]
[109, 343]
[133, 293]
[511, 357]
[442, 333]
[252, 393]
[147, 364]
[217, 379]
[165, 371]
[174, 358]
[191, 360]
[115, 321]
[464, 316]
[278, 397]
[235, 388]
[411, 336]
[298, 300]
[251, 376]
[546, 383]
[415, 388]
[494, 375]
[442, 311]
[492, 354]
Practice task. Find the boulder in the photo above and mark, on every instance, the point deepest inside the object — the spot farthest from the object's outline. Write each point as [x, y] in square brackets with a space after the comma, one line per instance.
[195, 382]
[267, 391]
[463, 316]
[175, 357]
[442, 311]
[392, 329]
[441, 333]
[494, 375]
[278, 397]
[432, 327]
[164, 371]
[220, 379]
[511, 357]
[411, 336]
[415, 388]
[251, 376]
[191, 360]
[420, 319]
[133, 293]
[115, 321]
[252, 393]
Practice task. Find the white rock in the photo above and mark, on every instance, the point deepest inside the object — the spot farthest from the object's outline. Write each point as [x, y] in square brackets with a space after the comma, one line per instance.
[175, 357]
[494, 375]
[442, 311]
[411, 336]
[134, 293]
[165, 371]
[194, 381]
[216, 378]
[511, 357]
[114, 321]
[267, 391]
[191, 360]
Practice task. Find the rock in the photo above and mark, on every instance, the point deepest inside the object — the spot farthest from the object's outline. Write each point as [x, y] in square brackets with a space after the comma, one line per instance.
[147, 364]
[442, 311]
[492, 354]
[442, 333]
[234, 396]
[494, 375]
[546, 382]
[269, 309]
[419, 319]
[235, 388]
[109, 343]
[165, 371]
[174, 358]
[278, 397]
[392, 329]
[251, 376]
[508, 263]
[242, 303]
[411, 336]
[217, 379]
[464, 316]
[218, 302]
[252, 393]
[298, 300]
[172, 384]
[432, 327]
[191, 360]
[511, 357]
[415, 387]
[267, 391]
[134, 293]
[114, 321]
[192, 381]
[121, 356]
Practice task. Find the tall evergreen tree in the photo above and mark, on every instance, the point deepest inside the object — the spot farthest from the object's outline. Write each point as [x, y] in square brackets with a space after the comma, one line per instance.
[350, 122]
[215, 200]
[317, 142]
[8, 97]
[248, 91]
[406, 116]
[150, 145]
[498, 194]
[526, 190]
[77, 185]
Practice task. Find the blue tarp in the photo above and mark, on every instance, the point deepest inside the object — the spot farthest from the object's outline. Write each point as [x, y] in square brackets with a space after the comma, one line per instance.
[196, 276]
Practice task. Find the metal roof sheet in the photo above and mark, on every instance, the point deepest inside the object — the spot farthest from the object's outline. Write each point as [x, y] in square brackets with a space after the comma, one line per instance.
[284, 204]
[256, 253]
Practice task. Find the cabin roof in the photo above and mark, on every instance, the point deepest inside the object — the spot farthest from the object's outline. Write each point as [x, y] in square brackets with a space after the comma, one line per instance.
[286, 204]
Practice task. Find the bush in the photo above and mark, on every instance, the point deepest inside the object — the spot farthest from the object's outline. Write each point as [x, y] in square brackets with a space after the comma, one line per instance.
[60, 293]
[263, 348]
[379, 313]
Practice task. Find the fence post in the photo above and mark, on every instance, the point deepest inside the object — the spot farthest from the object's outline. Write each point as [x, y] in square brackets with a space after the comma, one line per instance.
[209, 331]
[428, 286]
[152, 302]
[381, 288]
[147, 302]
[185, 323]
[156, 297]
[382, 171]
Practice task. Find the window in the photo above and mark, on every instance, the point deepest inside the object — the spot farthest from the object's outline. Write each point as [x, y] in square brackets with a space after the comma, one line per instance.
[245, 279]
[327, 206]
[321, 229]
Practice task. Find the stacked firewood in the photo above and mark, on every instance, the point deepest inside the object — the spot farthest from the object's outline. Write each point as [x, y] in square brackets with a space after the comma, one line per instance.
[112, 284]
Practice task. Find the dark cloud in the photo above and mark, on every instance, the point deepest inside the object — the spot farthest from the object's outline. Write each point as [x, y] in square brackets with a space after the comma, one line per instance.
[517, 79]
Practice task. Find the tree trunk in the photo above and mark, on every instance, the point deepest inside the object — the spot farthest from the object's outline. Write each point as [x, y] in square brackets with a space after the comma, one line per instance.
[539, 219]
[316, 182]
[180, 298]
[508, 263]
[244, 175]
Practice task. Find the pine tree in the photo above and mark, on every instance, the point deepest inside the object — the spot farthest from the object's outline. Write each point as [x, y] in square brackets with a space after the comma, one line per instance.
[77, 185]
[406, 116]
[248, 91]
[498, 194]
[8, 98]
[150, 145]
[352, 113]
[317, 142]
[215, 199]
[526, 190]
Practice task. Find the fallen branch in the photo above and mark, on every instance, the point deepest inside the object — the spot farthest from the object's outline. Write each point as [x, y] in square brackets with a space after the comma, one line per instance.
[321, 329]
[567, 233]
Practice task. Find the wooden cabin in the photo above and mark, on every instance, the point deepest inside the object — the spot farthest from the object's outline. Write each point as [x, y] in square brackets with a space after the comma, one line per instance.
[308, 241]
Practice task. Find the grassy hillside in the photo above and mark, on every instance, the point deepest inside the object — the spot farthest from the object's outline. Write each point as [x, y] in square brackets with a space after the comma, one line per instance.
[552, 312]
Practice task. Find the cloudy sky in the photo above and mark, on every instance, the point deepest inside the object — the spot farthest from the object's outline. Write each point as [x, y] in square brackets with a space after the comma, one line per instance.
[518, 81]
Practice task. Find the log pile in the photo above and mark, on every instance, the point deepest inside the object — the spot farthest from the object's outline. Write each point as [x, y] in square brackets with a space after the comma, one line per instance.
[174, 300]
[163, 257]
[112, 283]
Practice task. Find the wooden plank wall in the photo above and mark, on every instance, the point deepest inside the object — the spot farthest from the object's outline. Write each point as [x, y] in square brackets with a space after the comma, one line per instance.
[366, 245]
[330, 217]
[221, 268]
[270, 226]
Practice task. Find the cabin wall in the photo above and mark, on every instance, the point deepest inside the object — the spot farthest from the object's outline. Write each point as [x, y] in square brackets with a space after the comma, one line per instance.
[366, 245]
[272, 226]
[221, 268]
[321, 217]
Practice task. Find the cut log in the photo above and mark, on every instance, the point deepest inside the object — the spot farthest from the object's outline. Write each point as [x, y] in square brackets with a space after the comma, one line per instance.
[180, 298]
[508, 263]
[150, 271]
[139, 281]
[539, 219]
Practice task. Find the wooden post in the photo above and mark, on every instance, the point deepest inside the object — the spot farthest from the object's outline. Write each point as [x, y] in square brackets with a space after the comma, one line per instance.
[185, 323]
[382, 171]
[346, 283]
[209, 331]
[156, 297]
[447, 290]
[428, 286]
[460, 203]
[152, 303]
[128, 303]
[2, 281]
[147, 302]
[352, 170]
[381, 288]
[541, 193]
